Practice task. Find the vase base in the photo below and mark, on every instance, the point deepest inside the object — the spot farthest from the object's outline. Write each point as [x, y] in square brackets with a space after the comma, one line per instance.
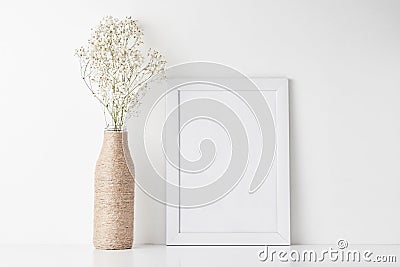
[112, 247]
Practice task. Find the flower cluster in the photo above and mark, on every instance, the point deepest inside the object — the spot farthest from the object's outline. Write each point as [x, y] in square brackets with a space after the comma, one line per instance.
[115, 69]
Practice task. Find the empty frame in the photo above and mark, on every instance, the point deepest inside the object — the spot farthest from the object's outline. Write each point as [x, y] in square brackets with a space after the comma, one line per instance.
[227, 164]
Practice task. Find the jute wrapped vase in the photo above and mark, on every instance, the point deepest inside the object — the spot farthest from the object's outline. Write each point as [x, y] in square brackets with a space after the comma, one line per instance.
[114, 194]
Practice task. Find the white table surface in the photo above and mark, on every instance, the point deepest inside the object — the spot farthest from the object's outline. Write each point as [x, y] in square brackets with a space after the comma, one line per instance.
[159, 256]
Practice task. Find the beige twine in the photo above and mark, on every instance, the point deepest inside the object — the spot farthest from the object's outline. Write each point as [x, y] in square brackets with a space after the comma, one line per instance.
[114, 194]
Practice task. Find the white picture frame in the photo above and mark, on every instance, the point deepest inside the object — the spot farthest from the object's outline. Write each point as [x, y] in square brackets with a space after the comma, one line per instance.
[278, 236]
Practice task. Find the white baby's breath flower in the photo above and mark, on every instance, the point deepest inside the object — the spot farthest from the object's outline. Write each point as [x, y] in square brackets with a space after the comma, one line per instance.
[115, 69]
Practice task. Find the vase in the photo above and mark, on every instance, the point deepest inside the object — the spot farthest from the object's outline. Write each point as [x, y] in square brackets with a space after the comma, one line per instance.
[114, 194]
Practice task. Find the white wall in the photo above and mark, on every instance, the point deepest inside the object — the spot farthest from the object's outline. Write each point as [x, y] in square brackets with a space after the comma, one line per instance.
[342, 57]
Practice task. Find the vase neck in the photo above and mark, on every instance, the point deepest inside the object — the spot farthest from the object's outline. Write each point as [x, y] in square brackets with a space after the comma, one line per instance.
[115, 138]
[112, 128]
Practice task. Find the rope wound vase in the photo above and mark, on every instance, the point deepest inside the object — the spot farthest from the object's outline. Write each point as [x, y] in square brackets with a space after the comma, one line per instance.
[114, 194]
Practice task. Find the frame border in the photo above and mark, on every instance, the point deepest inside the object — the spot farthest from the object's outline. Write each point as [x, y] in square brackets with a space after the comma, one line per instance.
[282, 235]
